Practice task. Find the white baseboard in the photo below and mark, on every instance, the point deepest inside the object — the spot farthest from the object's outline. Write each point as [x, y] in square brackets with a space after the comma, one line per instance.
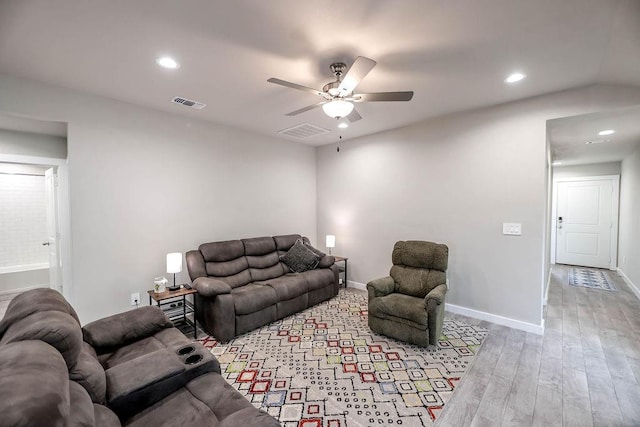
[20, 290]
[493, 318]
[356, 285]
[505, 321]
[632, 285]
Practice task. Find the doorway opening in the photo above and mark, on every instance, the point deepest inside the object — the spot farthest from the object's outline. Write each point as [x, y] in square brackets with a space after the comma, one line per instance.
[35, 244]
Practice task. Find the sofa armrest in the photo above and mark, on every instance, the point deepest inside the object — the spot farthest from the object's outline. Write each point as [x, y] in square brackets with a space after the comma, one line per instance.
[209, 287]
[326, 261]
[437, 294]
[380, 287]
[124, 328]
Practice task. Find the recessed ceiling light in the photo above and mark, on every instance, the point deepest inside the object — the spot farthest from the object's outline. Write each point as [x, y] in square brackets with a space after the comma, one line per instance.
[167, 62]
[606, 132]
[515, 77]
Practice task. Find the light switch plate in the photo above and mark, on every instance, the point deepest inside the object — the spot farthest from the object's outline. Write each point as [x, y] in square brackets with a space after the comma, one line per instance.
[512, 228]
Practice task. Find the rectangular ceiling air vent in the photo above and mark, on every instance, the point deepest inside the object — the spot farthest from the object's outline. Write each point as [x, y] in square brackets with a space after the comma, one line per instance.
[189, 103]
[303, 131]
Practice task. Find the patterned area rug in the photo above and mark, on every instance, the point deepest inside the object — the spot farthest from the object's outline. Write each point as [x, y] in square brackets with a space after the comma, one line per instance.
[590, 278]
[325, 368]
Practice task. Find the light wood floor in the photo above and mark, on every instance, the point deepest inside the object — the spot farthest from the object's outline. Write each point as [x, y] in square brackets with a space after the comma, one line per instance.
[584, 371]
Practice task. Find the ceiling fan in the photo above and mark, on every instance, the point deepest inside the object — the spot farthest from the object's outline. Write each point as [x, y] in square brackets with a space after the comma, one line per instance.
[339, 96]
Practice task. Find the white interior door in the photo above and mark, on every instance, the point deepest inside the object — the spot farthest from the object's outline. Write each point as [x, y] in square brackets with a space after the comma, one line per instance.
[50, 179]
[585, 232]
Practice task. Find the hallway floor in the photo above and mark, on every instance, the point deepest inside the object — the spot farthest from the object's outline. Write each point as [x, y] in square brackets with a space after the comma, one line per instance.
[584, 370]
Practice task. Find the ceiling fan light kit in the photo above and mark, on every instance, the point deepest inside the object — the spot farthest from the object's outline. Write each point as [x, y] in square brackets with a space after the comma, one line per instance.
[339, 96]
[337, 108]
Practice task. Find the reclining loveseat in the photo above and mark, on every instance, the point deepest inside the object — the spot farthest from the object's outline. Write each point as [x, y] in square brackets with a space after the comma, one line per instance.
[131, 369]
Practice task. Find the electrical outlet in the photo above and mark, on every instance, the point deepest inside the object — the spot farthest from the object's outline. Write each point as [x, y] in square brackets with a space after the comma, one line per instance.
[447, 283]
[135, 299]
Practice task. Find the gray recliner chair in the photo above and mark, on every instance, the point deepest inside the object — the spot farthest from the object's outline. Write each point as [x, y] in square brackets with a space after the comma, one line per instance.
[409, 304]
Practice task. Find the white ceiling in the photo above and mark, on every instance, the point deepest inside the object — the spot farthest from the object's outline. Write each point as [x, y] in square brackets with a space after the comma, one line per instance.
[569, 136]
[453, 54]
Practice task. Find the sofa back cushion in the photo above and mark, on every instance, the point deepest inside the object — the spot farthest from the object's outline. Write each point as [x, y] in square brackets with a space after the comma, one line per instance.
[34, 301]
[226, 261]
[55, 328]
[262, 258]
[34, 385]
[418, 267]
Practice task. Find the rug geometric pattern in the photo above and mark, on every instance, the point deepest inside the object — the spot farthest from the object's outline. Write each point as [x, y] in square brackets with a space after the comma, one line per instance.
[323, 367]
[590, 278]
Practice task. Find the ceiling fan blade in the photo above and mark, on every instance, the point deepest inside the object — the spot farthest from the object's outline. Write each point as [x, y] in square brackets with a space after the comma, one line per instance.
[302, 110]
[383, 96]
[354, 116]
[295, 86]
[360, 68]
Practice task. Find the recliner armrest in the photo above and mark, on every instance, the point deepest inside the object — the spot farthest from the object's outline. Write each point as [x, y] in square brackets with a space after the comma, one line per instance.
[124, 328]
[210, 287]
[381, 287]
[436, 294]
[326, 261]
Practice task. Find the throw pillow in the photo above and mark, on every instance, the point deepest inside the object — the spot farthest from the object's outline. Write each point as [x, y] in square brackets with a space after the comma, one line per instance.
[300, 258]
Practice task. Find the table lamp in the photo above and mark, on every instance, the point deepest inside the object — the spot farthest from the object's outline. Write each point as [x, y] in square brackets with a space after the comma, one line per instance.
[174, 265]
[330, 242]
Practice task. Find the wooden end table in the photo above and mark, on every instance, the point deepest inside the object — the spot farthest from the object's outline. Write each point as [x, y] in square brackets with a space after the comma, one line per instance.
[176, 306]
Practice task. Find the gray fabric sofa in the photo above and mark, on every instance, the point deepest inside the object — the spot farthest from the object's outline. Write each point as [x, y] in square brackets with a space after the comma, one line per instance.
[409, 303]
[131, 369]
[242, 284]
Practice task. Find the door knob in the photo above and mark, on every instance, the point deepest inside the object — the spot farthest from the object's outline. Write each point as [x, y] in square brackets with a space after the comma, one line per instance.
[46, 244]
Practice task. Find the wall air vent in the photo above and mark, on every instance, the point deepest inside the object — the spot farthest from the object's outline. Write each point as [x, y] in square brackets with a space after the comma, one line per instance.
[303, 131]
[189, 103]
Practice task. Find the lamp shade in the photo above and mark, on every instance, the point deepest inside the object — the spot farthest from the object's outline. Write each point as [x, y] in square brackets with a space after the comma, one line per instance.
[337, 108]
[331, 241]
[174, 262]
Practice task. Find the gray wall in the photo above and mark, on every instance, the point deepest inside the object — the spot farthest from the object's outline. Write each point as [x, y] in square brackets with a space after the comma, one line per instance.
[629, 243]
[455, 180]
[595, 169]
[32, 144]
[144, 183]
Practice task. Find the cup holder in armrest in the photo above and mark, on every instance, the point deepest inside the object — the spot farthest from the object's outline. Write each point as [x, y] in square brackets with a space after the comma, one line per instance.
[193, 359]
[185, 350]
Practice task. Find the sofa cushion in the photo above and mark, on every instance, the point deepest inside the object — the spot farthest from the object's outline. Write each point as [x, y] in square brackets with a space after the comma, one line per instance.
[421, 254]
[416, 282]
[90, 374]
[222, 251]
[35, 301]
[399, 307]
[288, 286]
[56, 328]
[105, 417]
[284, 243]
[167, 338]
[252, 297]
[81, 413]
[259, 245]
[300, 258]
[34, 385]
[226, 268]
[318, 278]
